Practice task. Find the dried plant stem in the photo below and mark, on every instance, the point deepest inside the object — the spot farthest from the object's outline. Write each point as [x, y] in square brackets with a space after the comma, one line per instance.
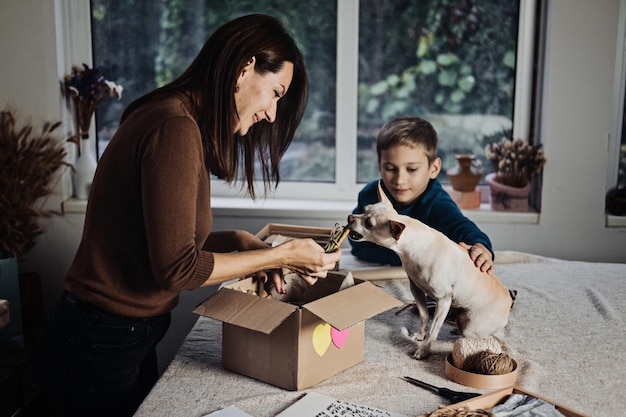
[27, 164]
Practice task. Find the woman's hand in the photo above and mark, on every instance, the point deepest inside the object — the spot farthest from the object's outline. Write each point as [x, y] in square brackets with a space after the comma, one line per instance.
[246, 253]
[276, 275]
[481, 256]
[307, 258]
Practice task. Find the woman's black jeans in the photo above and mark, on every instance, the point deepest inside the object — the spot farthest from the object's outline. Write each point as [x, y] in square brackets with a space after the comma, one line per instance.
[98, 364]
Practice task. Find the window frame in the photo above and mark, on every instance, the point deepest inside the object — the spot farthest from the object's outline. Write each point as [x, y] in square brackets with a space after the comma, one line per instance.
[345, 188]
[619, 89]
[346, 185]
[615, 137]
[73, 23]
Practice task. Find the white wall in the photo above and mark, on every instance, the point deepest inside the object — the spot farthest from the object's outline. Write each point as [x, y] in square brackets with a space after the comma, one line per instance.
[577, 122]
[577, 107]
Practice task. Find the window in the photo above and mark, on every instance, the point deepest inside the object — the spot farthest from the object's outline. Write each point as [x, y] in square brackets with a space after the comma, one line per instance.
[617, 168]
[621, 154]
[466, 66]
[451, 62]
[145, 44]
[616, 178]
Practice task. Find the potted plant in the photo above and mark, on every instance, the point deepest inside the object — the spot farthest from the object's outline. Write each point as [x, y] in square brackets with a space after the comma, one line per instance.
[515, 162]
[28, 161]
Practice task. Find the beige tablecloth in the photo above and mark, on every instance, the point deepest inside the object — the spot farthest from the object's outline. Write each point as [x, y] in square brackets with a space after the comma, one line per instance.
[566, 331]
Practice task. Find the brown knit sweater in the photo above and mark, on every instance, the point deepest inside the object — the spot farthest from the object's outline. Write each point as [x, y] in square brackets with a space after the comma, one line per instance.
[148, 216]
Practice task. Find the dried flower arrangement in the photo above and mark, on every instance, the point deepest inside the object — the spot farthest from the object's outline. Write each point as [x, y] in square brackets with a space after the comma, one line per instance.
[87, 88]
[515, 161]
[27, 164]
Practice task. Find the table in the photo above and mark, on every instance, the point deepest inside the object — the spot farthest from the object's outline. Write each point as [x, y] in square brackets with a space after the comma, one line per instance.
[566, 331]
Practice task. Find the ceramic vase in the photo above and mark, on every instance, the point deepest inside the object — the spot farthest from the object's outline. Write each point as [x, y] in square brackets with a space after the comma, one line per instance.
[506, 198]
[85, 168]
[464, 176]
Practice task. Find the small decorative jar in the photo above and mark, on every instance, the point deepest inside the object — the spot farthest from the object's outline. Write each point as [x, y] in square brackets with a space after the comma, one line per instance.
[464, 176]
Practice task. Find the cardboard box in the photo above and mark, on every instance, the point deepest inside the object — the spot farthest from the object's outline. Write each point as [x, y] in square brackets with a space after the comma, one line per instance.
[276, 233]
[295, 346]
[272, 230]
[490, 400]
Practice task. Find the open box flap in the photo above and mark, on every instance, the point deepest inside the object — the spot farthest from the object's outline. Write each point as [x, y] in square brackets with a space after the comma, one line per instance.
[245, 310]
[352, 305]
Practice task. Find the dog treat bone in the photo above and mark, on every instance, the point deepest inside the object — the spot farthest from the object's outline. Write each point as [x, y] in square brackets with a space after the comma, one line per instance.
[337, 239]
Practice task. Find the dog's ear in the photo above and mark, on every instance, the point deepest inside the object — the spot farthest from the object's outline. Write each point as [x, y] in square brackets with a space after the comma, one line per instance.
[396, 228]
[382, 197]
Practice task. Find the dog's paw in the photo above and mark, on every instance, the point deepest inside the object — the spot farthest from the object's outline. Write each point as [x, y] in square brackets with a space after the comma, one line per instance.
[422, 353]
[416, 337]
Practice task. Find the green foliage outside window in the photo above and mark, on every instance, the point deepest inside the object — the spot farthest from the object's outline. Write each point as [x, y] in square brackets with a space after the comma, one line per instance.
[145, 44]
[433, 58]
[436, 59]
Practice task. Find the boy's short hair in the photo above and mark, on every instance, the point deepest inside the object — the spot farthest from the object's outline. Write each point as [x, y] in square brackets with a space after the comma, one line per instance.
[409, 131]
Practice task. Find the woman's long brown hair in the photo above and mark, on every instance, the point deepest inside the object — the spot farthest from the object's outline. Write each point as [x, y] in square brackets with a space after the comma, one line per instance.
[209, 83]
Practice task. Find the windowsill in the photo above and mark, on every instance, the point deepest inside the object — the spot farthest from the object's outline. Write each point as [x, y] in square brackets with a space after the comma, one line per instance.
[74, 206]
[315, 209]
[615, 221]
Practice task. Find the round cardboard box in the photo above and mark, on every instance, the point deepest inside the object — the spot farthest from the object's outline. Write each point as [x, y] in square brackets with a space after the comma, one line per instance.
[473, 380]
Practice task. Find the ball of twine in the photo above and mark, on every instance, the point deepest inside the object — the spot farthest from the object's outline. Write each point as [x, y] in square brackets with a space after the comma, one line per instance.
[489, 363]
[465, 347]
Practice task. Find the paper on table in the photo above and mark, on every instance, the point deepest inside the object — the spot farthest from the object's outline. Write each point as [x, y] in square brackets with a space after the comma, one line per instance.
[376, 273]
[314, 404]
[370, 271]
[231, 411]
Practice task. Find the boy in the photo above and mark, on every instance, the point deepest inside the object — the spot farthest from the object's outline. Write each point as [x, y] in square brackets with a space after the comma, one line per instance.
[408, 165]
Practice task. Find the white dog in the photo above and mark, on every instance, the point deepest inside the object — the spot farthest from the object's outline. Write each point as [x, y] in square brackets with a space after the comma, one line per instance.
[439, 267]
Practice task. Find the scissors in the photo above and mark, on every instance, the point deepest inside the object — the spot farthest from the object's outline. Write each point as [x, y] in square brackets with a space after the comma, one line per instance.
[452, 396]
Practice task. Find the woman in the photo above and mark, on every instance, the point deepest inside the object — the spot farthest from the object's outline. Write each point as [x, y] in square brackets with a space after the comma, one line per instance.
[147, 227]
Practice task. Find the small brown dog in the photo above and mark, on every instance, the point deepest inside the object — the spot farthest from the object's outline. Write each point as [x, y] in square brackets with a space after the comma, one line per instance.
[439, 267]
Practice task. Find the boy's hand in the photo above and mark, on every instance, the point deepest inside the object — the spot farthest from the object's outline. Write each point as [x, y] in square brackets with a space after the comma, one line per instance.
[481, 256]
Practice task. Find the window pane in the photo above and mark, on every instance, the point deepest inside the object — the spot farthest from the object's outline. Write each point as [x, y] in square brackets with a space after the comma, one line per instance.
[450, 62]
[144, 44]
